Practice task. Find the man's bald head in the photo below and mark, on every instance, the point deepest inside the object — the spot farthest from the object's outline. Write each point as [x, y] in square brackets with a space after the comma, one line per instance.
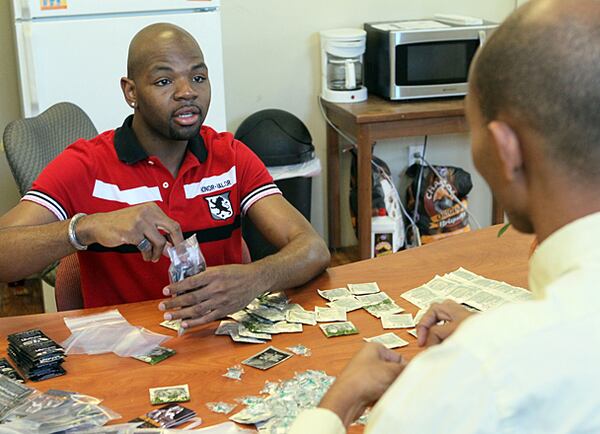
[542, 68]
[152, 38]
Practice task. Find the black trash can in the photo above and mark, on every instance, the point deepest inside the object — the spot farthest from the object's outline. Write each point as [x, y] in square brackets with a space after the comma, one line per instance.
[279, 139]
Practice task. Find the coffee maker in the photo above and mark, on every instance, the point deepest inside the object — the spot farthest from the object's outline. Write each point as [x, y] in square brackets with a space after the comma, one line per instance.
[342, 65]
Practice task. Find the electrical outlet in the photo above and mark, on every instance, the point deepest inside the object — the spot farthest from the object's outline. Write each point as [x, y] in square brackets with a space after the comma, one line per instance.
[412, 150]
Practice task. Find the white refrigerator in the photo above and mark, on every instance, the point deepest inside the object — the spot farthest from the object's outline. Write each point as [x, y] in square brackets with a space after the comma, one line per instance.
[76, 51]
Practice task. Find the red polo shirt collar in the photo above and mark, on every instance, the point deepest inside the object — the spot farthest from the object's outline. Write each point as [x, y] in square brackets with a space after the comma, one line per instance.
[130, 151]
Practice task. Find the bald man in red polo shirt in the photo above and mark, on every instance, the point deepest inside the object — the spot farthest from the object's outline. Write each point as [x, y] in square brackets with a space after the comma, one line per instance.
[122, 197]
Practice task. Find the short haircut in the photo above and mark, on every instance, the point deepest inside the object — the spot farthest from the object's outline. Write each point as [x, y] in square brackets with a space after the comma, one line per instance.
[147, 39]
[546, 72]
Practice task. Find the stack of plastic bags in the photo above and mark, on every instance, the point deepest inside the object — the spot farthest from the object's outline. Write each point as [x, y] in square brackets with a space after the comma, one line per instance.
[128, 428]
[27, 410]
[52, 412]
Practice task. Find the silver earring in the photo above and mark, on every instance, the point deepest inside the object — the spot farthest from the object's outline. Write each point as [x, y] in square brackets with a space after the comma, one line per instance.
[132, 104]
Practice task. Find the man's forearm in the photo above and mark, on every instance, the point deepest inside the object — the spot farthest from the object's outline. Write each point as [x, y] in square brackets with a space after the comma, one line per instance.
[28, 249]
[343, 403]
[303, 258]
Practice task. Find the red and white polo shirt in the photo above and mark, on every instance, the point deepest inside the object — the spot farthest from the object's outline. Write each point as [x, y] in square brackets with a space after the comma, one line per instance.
[219, 180]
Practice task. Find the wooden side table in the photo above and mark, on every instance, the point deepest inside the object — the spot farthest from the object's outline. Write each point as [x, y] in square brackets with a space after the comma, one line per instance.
[378, 119]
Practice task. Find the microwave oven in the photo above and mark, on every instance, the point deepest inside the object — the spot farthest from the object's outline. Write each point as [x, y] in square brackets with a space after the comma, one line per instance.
[421, 59]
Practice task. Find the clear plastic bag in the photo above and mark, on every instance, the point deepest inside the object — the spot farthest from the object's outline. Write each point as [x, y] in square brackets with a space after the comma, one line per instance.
[12, 393]
[307, 169]
[224, 428]
[124, 428]
[138, 341]
[75, 412]
[109, 317]
[36, 402]
[186, 260]
[109, 332]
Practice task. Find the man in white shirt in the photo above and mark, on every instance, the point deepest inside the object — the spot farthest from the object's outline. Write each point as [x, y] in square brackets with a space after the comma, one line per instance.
[532, 367]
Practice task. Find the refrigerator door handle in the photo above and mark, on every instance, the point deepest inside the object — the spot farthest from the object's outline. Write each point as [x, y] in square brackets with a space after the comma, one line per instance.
[30, 76]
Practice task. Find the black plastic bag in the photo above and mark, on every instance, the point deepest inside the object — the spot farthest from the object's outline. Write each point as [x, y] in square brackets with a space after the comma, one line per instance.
[438, 214]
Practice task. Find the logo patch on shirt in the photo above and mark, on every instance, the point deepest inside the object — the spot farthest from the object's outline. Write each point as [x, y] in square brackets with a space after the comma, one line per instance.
[220, 206]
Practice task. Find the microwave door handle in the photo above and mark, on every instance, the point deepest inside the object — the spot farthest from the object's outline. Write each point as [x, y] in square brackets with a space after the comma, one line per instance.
[482, 37]
[350, 74]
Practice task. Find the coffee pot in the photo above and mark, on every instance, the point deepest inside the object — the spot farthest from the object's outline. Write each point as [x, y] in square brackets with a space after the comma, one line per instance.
[342, 65]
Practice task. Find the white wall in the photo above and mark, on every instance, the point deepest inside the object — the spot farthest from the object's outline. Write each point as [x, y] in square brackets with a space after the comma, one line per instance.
[271, 50]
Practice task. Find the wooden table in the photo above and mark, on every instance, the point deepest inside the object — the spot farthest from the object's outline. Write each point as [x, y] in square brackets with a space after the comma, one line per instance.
[202, 357]
[378, 119]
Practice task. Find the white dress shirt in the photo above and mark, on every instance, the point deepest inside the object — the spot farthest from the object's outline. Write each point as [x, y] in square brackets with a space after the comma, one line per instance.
[531, 367]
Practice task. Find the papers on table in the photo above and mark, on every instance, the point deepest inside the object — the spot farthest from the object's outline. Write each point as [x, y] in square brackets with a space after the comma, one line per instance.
[467, 288]
[274, 314]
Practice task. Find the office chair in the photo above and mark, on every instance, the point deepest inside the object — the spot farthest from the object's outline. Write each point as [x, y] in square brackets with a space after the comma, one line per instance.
[31, 144]
[67, 288]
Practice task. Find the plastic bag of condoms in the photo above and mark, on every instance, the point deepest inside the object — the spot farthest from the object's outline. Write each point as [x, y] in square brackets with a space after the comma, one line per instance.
[186, 260]
[58, 411]
[223, 428]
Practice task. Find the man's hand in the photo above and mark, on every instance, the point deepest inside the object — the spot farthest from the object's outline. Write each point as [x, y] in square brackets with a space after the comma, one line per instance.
[368, 375]
[430, 333]
[131, 225]
[214, 293]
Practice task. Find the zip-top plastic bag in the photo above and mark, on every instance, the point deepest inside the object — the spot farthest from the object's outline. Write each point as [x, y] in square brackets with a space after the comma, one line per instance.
[65, 412]
[186, 260]
[109, 332]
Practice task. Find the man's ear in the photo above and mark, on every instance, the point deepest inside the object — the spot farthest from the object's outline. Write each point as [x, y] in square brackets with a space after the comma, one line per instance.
[128, 88]
[507, 147]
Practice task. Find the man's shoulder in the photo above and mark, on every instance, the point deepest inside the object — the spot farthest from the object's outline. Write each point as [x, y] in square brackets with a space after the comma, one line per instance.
[213, 138]
[487, 334]
[568, 303]
[96, 145]
[223, 143]
[536, 328]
